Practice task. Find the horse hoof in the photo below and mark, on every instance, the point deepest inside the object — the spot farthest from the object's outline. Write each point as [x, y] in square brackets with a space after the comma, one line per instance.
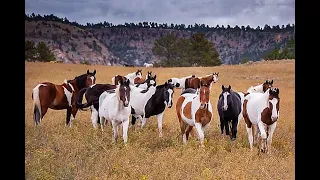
[233, 139]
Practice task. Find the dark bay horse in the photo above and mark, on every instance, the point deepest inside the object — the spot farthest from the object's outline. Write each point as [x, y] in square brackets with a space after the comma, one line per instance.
[229, 108]
[58, 97]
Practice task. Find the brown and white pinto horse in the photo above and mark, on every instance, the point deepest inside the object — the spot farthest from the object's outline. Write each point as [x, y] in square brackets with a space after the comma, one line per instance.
[261, 112]
[261, 88]
[130, 76]
[194, 109]
[58, 97]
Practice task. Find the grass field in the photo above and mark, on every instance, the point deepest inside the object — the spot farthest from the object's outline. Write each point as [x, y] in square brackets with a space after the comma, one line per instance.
[53, 151]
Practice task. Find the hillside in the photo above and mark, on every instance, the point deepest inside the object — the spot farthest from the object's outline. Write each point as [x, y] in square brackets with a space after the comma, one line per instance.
[117, 44]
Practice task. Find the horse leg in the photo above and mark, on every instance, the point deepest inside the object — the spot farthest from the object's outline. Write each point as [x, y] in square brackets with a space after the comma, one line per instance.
[94, 117]
[271, 129]
[262, 129]
[221, 124]
[102, 120]
[159, 118]
[69, 110]
[125, 126]
[200, 133]
[114, 131]
[250, 136]
[234, 129]
[226, 125]
[189, 128]
[255, 134]
[143, 121]
[73, 114]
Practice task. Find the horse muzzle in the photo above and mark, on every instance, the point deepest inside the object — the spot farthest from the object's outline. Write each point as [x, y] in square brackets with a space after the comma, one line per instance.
[126, 104]
[274, 118]
[203, 105]
[224, 108]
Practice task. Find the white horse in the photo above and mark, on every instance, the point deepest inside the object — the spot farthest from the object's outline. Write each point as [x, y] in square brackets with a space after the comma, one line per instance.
[148, 64]
[179, 82]
[261, 111]
[115, 106]
[130, 76]
[261, 88]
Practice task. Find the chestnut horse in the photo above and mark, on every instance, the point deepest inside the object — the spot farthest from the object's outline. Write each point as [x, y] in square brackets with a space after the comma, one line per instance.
[194, 109]
[58, 97]
[194, 82]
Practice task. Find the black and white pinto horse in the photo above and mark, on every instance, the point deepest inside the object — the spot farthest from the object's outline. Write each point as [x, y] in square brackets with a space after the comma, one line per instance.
[114, 106]
[92, 95]
[152, 102]
[229, 108]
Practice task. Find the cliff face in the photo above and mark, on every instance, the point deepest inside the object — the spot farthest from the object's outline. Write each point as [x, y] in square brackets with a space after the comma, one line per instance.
[133, 45]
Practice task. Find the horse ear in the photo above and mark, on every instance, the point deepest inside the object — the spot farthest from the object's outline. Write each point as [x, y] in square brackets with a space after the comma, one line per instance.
[128, 81]
[222, 86]
[229, 87]
[271, 82]
[266, 82]
[155, 76]
[88, 71]
[94, 72]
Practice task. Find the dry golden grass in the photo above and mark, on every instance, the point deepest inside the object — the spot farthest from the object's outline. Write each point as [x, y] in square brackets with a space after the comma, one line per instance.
[53, 151]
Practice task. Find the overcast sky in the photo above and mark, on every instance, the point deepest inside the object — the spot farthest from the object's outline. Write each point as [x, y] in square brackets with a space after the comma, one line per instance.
[210, 12]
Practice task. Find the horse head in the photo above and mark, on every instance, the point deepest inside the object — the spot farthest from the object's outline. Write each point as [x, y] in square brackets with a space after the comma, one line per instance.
[139, 73]
[215, 77]
[274, 103]
[149, 75]
[168, 94]
[267, 84]
[151, 81]
[90, 78]
[204, 92]
[123, 91]
[225, 95]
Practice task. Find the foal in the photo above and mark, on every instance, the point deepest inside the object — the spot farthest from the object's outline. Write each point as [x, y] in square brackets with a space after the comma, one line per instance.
[194, 110]
[261, 111]
[58, 97]
[115, 106]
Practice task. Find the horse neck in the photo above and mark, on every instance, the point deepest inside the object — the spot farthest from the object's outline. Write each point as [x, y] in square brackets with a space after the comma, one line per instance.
[265, 99]
[118, 103]
[74, 84]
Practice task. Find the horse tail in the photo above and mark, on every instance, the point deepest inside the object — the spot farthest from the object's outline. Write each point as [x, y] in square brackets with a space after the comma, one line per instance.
[79, 98]
[36, 104]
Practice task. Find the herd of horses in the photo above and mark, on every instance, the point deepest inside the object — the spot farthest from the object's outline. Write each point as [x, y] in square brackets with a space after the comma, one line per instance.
[142, 98]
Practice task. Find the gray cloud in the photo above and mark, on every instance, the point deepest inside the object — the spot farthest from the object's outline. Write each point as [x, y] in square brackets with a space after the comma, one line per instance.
[210, 12]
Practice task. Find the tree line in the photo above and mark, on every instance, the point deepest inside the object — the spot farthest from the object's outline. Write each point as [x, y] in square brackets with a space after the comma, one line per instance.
[172, 51]
[39, 52]
[287, 52]
[196, 27]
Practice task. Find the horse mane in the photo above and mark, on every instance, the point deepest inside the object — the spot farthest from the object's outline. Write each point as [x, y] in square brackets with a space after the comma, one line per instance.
[80, 80]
